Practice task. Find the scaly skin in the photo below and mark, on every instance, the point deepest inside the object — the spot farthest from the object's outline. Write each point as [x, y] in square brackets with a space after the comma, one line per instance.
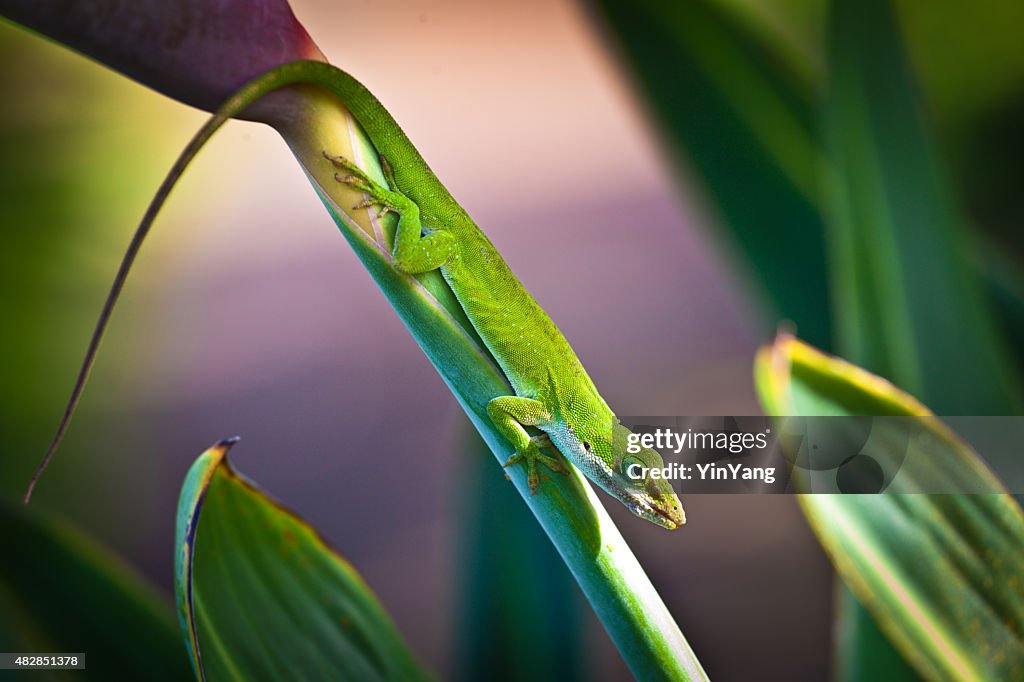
[552, 390]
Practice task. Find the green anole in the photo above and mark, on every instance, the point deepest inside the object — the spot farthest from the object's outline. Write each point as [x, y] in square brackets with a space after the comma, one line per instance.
[553, 393]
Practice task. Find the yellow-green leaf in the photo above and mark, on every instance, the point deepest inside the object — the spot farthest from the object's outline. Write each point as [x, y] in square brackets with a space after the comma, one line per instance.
[941, 574]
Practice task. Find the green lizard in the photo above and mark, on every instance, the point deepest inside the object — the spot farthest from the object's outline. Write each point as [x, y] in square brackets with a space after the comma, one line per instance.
[553, 393]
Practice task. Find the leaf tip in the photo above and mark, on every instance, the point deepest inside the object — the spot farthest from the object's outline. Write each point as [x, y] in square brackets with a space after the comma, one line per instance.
[226, 444]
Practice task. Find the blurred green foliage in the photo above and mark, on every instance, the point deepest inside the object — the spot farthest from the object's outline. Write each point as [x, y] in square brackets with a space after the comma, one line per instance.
[969, 64]
[65, 208]
[511, 580]
[45, 185]
[907, 298]
[62, 592]
[63, 212]
[744, 123]
[736, 88]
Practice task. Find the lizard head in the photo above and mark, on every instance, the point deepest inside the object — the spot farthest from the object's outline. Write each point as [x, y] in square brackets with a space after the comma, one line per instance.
[623, 469]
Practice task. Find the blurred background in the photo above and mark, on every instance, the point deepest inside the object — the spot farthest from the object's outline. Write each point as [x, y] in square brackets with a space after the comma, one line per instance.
[248, 314]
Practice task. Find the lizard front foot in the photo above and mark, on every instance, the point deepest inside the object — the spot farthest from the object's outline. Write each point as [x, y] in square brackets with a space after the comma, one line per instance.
[387, 199]
[531, 455]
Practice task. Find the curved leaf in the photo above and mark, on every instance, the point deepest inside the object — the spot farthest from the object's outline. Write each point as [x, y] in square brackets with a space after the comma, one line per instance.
[262, 597]
[941, 574]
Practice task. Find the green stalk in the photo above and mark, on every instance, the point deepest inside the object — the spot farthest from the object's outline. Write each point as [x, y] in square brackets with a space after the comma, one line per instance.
[567, 508]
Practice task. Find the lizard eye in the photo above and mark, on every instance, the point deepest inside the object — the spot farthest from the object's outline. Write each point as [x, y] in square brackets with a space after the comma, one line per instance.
[586, 446]
[638, 468]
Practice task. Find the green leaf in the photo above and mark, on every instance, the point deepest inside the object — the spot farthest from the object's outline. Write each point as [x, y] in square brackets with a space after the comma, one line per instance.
[863, 653]
[940, 574]
[262, 597]
[62, 592]
[732, 110]
[1004, 282]
[907, 300]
